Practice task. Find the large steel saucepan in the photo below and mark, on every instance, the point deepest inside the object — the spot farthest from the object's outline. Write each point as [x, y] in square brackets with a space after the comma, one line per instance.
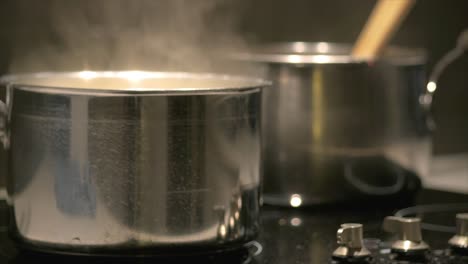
[110, 162]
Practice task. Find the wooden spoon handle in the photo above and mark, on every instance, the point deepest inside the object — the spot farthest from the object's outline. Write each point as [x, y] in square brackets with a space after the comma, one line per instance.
[384, 20]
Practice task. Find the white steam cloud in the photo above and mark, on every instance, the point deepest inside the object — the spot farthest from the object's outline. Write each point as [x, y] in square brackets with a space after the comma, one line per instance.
[175, 35]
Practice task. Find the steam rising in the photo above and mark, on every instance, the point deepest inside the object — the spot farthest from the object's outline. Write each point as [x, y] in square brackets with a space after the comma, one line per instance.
[160, 35]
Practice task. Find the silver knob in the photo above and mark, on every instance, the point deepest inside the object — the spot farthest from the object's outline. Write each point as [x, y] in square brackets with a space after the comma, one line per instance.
[350, 241]
[408, 231]
[460, 240]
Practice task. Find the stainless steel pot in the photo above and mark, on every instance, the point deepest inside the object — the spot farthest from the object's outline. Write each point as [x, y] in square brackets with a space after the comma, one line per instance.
[336, 128]
[104, 162]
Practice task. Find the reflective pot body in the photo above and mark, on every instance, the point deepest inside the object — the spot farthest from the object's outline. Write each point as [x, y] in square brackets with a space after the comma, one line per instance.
[337, 129]
[105, 171]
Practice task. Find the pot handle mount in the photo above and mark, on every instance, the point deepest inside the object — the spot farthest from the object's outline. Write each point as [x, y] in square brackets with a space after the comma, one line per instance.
[4, 136]
[3, 125]
[441, 65]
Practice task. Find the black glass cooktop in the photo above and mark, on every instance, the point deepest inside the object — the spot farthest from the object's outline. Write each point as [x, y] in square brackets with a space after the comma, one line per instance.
[296, 236]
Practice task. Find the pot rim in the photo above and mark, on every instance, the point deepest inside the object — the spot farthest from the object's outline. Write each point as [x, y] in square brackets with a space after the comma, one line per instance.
[223, 83]
[299, 52]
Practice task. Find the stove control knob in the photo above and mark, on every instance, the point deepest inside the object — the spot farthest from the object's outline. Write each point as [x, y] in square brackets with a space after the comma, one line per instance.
[350, 241]
[408, 231]
[460, 240]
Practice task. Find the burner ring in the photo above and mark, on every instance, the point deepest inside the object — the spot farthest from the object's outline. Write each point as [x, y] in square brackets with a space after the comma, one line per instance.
[420, 210]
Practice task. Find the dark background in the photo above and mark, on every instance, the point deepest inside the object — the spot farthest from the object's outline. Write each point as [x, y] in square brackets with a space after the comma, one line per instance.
[434, 25]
